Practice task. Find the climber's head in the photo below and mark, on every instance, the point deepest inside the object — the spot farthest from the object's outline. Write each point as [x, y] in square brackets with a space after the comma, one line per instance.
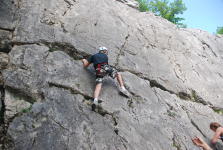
[103, 49]
[214, 126]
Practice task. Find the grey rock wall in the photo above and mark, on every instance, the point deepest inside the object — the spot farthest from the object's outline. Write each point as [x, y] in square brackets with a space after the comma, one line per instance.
[174, 76]
[131, 3]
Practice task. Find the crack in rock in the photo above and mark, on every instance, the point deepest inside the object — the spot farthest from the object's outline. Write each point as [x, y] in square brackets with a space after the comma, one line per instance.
[218, 110]
[63, 27]
[148, 43]
[5, 40]
[124, 141]
[69, 6]
[7, 29]
[68, 48]
[59, 124]
[204, 43]
[121, 49]
[100, 110]
[153, 83]
[2, 98]
[196, 126]
[3, 125]
[5, 46]
[72, 90]
[154, 33]
[193, 123]
[132, 4]
[175, 143]
[27, 96]
[193, 96]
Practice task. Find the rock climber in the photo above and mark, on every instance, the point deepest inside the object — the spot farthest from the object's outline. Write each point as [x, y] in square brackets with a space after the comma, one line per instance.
[102, 68]
[218, 129]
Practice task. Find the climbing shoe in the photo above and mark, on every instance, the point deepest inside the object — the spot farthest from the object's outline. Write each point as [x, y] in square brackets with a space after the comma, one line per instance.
[124, 92]
[92, 101]
[93, 107]
[95, 101]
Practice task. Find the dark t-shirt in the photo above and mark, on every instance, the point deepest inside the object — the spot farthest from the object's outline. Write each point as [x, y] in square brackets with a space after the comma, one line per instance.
[98, 59]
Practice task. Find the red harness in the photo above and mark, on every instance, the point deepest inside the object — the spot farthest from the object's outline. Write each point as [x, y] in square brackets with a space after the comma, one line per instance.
[99, 68]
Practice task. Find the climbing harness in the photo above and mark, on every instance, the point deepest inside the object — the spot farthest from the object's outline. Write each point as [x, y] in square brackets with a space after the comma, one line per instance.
[101, 69]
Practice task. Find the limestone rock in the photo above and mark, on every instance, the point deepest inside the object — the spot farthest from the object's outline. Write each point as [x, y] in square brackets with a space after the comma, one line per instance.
[174, 75]
[4, 60]
[5, 44]
[159, 43]
[131, 3]
[1, 117]
[14, 104]
[7, 11]
[1, 102]
[52, 119]
[30, 76]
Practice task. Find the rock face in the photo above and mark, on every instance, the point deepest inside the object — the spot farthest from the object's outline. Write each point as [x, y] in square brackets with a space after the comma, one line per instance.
[131, 3]
[175, 77]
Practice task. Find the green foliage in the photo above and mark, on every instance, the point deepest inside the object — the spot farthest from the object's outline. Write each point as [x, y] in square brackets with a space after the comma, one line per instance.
[160, 8]
[143, 5]
[168, 10]
[163, 8]
[25, 110]
[219, 111]
[52, 49]
[171, 113]
[177, 146]
[219, 30]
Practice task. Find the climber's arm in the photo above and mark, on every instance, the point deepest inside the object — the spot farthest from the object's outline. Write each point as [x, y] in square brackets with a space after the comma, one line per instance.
[85, 62]
[200, 143]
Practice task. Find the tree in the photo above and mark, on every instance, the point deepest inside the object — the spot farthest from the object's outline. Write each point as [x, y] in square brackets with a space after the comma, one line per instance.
[219, 30]
[143, 5]
[165, 9]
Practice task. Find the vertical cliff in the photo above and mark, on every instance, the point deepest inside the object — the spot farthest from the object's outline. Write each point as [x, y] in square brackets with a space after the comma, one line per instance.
[174, 75]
